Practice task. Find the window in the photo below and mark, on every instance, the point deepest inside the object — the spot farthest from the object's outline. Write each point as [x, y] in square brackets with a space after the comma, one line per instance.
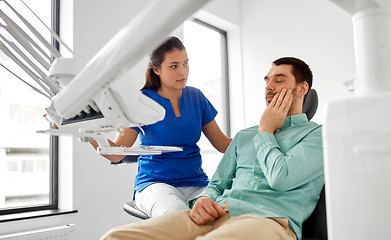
[28, 160]
[206, 47]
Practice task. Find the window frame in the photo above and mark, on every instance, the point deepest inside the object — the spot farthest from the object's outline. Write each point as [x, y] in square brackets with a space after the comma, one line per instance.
[53, 151]
[226, 124]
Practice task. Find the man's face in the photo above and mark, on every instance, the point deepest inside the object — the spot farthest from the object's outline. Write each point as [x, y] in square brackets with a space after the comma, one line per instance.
[278, 78]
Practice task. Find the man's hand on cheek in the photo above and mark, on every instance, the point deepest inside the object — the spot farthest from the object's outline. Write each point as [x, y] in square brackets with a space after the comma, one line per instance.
[274, 116]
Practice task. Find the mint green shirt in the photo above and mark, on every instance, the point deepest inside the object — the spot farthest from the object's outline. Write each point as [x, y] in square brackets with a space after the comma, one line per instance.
[272, 175]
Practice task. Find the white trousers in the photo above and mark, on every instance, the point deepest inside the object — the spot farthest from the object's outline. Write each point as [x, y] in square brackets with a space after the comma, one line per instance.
[161, 198]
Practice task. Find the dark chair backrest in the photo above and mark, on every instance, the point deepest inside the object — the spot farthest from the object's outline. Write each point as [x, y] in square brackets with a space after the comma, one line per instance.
[315, 227]
[310, 104]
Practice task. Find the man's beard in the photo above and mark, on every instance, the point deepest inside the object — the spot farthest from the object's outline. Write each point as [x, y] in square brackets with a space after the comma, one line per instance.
[294, 95]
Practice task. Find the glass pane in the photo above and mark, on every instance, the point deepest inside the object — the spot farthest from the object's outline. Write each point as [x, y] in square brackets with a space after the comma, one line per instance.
[24, 154]
[33, 51]
[203, 47]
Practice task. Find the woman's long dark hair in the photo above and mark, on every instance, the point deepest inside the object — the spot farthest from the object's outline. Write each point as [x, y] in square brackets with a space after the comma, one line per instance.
[156, 57]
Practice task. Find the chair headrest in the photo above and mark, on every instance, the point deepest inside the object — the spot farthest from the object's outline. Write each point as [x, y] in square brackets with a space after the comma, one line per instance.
[310, 104]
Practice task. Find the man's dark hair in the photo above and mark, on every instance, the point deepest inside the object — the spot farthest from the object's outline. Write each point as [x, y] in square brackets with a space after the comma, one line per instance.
[300, 69]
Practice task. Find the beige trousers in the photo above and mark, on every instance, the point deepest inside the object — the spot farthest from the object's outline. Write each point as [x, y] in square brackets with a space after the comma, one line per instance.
[178, 225]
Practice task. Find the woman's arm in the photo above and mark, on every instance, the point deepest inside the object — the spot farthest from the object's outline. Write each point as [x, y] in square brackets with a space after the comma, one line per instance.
[127, 139]
[216, 136]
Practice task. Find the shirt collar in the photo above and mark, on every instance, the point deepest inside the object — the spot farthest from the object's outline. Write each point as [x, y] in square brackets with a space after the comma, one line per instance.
[294, 120]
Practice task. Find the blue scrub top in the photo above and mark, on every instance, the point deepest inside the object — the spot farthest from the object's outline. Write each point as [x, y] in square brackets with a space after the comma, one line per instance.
[178, 169]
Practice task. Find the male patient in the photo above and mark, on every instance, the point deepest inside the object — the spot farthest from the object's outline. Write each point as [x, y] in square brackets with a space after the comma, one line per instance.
[268, 181]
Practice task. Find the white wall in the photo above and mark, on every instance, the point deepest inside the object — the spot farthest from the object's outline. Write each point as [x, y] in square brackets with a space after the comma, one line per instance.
[318, 32]
[259, 32]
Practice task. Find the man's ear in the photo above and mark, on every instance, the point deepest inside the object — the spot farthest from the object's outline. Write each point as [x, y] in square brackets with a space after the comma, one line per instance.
[302, 88]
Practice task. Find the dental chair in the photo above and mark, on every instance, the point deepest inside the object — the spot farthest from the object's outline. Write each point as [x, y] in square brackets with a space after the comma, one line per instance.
[130, 207]
[310, 104]
[314, 228]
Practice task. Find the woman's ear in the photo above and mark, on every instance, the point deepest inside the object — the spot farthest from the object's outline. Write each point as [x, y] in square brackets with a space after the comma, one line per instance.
[156, 69]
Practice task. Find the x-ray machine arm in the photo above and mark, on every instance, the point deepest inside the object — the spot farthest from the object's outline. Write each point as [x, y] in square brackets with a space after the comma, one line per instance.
[88, 103]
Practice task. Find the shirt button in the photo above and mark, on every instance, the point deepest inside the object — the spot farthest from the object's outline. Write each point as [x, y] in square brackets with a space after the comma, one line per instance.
[257, 177]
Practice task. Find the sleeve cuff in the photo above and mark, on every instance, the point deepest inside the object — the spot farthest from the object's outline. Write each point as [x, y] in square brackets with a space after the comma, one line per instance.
[202, 194]
[191, 202]
[262, 139]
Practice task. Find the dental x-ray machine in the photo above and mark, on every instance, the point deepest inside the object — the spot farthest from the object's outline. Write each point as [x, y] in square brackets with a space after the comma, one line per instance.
[357, 133]
[356, 136]
[87, 104]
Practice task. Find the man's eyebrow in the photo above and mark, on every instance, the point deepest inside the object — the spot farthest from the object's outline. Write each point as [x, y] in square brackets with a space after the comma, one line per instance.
[276, 75]
[280, 75]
